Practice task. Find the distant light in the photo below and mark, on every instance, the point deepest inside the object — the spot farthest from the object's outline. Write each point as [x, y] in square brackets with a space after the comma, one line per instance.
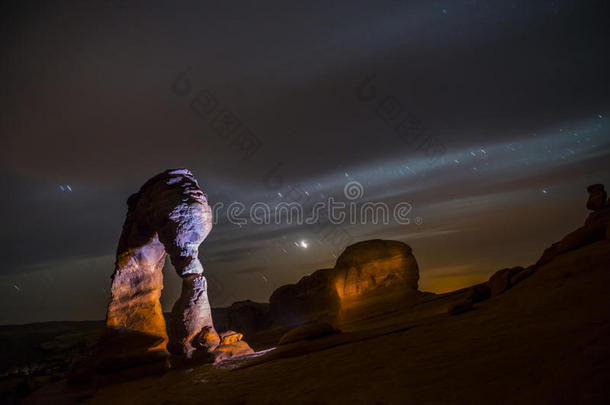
[545, 191]
[304, 244]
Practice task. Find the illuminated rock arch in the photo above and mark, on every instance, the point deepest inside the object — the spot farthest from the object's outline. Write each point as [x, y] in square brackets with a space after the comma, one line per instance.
[169, 215]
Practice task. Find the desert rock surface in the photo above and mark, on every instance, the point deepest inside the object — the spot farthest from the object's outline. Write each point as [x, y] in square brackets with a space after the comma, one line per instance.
[544, 340]
[539, 334]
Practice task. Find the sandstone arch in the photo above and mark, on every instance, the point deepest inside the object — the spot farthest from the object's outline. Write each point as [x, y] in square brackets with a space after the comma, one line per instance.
[169, 215]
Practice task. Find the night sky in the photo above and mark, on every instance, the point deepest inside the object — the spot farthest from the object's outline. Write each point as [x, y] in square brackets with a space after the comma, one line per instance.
[512, 96]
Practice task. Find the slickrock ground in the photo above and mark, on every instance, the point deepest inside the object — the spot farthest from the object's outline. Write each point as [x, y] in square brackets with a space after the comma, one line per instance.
[545, 340]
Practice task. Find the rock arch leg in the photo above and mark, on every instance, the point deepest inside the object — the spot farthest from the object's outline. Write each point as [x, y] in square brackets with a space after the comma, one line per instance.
[135, 327]
[192, 327]
[191, 314]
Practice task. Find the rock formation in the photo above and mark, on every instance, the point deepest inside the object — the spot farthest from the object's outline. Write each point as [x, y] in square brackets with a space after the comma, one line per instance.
[479, 292]
[500, 280]
[596, 228]
[374, 265]
[169, 215]
[597, 197]
[296, 304]
[363, 270]
[231, 345]
[248, 316]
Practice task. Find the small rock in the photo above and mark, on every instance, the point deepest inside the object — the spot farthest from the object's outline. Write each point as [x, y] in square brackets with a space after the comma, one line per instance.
[500, 281]
[479, 292]
[230, 337]
[207, 338]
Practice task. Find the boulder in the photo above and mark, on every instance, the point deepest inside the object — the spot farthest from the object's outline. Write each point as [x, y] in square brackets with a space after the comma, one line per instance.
[248, 316]
[522, 275]
[310, 331]
[230, 337]
[548, 254]
[207, 339]
[373, 266]
[500, 280]
[460, 307]
[231, 346]
[228, 351]
[597, 197]
[598, 203]
[479, 292]
[168, 215]
[299, 303]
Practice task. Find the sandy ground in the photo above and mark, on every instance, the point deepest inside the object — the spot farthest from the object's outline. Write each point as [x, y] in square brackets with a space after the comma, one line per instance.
[546, 340]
